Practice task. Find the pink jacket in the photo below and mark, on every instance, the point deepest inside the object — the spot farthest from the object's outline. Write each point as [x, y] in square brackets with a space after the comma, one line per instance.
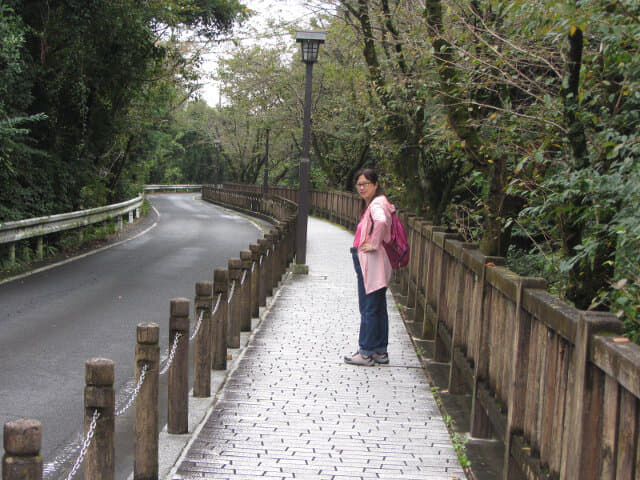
[376, 269]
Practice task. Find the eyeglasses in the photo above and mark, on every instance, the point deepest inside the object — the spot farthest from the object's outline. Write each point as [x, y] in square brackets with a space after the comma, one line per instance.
[363, 184]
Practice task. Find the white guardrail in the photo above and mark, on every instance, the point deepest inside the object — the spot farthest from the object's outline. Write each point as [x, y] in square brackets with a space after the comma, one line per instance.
[12, 232]
[172, 188]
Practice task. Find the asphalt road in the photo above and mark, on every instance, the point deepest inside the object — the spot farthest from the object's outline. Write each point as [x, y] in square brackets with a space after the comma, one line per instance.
[52, 322]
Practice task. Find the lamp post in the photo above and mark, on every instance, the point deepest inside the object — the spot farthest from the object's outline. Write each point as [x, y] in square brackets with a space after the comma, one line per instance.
[310, 43]
[216, 146]
[265, 179]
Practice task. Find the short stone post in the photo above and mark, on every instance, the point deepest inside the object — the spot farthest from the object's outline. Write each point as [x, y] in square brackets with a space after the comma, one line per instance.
[262, 295]
[202, 344]
[245, 299]
[145, 464]
[40, 248]
[255, 275]
[131, 216]
[235, 275]
[219, 321]
[120, 223]
[178, 387]
[22, 441]
[99, 397]
[12, 254]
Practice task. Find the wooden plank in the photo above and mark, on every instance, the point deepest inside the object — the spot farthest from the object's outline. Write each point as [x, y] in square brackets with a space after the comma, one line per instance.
[561, 388]
[627, 436]
[610, 426]
[549, 397]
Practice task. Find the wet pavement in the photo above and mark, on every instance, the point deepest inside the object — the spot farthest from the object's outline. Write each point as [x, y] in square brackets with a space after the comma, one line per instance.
[291, 408]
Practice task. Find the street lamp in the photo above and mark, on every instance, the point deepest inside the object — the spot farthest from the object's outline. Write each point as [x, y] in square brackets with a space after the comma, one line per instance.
[310, 46]
[265, 178]
[216, 146]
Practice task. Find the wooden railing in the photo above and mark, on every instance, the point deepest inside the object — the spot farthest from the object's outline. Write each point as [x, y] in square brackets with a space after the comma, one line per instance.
[557, 385]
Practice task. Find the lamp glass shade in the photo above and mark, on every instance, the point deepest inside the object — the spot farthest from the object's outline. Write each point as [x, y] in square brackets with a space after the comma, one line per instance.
[310, 49]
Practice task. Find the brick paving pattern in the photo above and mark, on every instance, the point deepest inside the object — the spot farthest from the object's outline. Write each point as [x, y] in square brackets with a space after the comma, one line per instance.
[294, 409]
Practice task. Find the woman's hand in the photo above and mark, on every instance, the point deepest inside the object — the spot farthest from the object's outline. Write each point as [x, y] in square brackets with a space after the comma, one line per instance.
[366, 247]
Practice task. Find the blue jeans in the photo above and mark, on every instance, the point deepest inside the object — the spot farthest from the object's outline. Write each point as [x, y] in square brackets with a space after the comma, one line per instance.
[374, 320]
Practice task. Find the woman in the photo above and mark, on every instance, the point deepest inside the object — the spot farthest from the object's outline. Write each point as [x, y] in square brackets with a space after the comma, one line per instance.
[373, 271]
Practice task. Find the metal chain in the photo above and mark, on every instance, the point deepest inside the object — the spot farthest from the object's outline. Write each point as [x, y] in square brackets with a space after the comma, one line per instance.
[174, 347]
[215, 309]
[244, 276]
[85, 444]
[136, 390]
[233, 288]
[195, 330]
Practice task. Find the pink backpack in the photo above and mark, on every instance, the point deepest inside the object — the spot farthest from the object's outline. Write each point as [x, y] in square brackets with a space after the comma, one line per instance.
[398, 247]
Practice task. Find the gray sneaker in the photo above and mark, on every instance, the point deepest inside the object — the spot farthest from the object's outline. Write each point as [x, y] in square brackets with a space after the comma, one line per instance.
[359, 359]
[380, 357]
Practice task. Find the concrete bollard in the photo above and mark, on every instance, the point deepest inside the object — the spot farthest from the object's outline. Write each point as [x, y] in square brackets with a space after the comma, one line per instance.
[219, 321]
[202, 344]
[131, 216]
[145, 463]
[22, 441]
[120, 223]
[99, 396]
[235, 275]
[255, 275]
[245, 299]
[178, 386]
[262, 283]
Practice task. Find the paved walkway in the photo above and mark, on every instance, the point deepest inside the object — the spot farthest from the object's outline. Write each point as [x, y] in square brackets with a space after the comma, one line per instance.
[293, 409]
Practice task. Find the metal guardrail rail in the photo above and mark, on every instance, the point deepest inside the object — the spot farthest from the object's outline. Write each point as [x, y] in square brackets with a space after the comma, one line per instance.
[171, 188]
[36, 227]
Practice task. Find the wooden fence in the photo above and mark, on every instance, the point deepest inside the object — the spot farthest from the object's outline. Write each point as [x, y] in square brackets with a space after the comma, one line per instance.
[558, 386]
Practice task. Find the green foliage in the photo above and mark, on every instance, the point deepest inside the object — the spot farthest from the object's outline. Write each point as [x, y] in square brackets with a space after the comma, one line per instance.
[84, 86]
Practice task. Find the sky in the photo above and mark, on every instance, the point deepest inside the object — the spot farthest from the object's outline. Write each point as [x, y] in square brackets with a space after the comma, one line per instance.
[257, 30]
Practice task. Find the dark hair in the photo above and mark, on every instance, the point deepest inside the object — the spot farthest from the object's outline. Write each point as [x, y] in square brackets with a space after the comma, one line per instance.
[371, 175]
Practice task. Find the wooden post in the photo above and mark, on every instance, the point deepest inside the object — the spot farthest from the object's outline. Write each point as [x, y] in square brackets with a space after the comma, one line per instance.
[245, 300]
[235, 275]
[202, 344]
[518, 381]
[145, 465]
[99, 396]
[22, 441]
[178, 385]
[219, 321]
[480, 424]
[581, 452]
[264, 245]
[255, 265]
[275, 260]
[456, 383]
[269, 263]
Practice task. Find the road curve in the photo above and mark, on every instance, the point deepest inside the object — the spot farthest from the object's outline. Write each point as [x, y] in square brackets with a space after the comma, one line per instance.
[53, 321]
